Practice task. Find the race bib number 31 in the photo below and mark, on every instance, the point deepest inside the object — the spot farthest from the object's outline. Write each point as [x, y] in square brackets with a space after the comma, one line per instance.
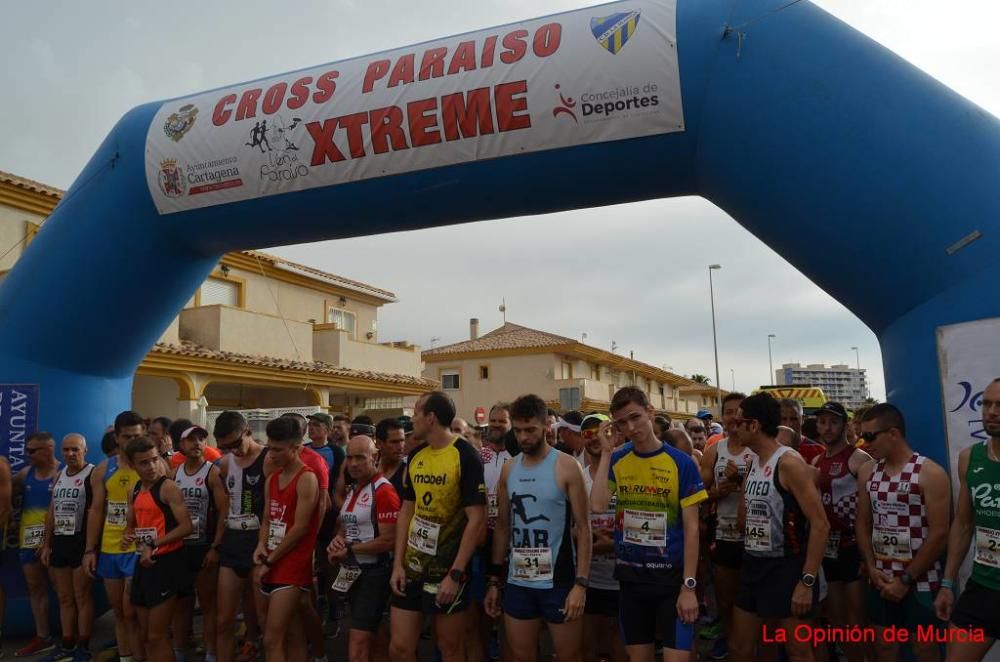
[531, 564]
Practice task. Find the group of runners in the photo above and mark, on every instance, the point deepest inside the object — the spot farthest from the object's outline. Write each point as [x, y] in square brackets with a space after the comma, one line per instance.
[608, 529]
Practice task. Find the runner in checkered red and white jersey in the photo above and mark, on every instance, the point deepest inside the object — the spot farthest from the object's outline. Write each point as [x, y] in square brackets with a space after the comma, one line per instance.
[899, 521]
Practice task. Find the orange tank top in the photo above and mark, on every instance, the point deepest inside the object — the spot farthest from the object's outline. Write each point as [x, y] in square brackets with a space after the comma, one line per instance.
[153, 518]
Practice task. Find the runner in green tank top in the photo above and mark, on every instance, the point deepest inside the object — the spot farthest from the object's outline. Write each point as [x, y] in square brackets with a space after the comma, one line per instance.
[977, 521]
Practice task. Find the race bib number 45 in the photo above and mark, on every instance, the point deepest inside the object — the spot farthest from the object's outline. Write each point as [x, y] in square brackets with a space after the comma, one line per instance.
[424, 535]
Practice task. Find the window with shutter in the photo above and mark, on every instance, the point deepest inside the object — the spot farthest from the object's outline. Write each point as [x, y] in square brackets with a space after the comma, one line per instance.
[217, 291]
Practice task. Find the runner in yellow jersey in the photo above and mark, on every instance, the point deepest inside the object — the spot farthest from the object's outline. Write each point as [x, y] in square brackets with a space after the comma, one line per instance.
[441, 522]
[106, 556]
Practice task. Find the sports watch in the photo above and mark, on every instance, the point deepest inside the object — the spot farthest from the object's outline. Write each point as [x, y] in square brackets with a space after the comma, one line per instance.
[808, 579]
[690, 583]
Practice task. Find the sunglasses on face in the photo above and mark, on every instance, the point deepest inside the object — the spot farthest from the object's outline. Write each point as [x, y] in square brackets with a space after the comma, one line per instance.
[869, 437]
[590, 433]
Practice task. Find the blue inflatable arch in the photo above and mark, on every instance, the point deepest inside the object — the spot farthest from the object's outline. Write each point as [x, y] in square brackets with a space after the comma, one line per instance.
[805, 131]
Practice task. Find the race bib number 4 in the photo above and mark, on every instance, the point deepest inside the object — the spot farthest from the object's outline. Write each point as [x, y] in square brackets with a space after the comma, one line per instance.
[892, 543]
[758, 538]
[275, 534]
[988, 547]
[32, 538]
[642, 527]
[117, 513]
[424, 535]
[531, 564]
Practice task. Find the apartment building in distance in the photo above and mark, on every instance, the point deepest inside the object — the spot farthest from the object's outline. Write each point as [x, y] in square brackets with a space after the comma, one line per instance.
[846, 385]
[513, 360]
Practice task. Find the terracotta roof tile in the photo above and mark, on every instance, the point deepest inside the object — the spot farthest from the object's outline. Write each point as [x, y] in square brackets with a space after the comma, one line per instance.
[508, 336]
[515, 336]
[31, 185]
[187, 348]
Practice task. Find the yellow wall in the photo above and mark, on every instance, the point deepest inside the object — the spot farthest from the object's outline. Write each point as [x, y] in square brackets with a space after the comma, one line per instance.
[301, 303]
[541, 374]
[12, 230]
[245, 332]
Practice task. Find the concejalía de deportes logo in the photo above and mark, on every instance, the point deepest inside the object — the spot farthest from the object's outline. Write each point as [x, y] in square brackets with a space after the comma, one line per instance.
[620, 101]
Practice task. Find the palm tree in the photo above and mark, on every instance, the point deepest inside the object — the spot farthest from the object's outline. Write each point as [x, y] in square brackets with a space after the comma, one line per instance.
[701, 379]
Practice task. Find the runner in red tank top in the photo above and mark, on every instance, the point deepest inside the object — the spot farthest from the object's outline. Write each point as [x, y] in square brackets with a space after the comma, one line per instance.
[287, 536]
[837, 477]
[157, 523]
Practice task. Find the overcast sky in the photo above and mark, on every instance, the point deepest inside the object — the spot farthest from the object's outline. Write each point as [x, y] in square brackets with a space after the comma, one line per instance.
[80, 66]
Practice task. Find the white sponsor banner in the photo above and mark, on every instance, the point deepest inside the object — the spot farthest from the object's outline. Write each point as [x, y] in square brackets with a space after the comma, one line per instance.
[968, 362]
[594, 75]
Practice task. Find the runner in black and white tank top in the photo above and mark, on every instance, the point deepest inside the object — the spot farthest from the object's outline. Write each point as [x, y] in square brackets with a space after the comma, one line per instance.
[775, 526]
[197, 498]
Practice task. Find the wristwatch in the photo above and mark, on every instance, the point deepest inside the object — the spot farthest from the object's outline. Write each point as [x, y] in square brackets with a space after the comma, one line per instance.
[582, 581]
[690, 583]
[456, 575]
[808, 579]
[907, 579]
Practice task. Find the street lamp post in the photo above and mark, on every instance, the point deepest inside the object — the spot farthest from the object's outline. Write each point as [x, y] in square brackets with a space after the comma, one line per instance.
[770, 363]
[715, 340]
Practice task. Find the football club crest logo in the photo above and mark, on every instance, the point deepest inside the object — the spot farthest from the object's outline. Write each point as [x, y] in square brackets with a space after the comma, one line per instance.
[170, 179]
[180, 122]
[613, 32]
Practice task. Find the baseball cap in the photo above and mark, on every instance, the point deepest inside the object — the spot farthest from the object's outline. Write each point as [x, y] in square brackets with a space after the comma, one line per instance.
[592, 420]
[703, 414]
[834, 408]
[194, 429]
[321, 417]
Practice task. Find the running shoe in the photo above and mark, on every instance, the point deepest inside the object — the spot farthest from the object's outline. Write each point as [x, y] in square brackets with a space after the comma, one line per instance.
[712, 631]
[36, 646]
[720, 650]
[249, 652]
[60, 654]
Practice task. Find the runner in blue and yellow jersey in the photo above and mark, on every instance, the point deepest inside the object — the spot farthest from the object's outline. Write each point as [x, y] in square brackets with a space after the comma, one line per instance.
[112, 482]
[34, 485]
[657, 490]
